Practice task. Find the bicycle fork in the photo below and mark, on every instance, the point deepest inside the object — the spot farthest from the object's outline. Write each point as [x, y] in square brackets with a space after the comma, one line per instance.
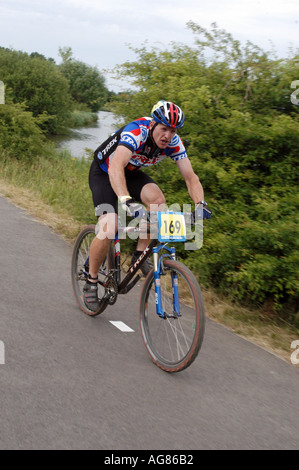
[158, 271]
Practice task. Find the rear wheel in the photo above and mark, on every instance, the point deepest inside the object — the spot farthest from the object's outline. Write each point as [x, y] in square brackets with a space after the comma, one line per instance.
[173, 342]
[80, 269]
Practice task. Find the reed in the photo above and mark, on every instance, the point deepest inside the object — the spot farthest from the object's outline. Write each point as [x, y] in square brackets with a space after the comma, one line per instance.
[82, 118]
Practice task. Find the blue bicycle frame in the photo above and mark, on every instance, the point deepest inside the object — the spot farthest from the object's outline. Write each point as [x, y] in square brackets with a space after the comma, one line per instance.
[158, 270]
[125, 285]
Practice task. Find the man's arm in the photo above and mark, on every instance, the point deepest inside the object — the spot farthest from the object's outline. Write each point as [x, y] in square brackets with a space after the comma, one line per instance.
[193, 183]
[117, 178]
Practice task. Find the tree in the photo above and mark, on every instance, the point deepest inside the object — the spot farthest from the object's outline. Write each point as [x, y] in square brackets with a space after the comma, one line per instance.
[39, 85]
[66, 53]
[87, 85]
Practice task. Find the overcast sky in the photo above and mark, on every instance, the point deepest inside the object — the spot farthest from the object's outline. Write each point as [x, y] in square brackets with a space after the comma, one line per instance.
[99, 31]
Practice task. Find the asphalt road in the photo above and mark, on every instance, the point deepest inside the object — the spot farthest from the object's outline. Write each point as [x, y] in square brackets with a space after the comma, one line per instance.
[73, 382]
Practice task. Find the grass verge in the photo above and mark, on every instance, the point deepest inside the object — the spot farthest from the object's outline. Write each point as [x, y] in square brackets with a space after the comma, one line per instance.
[55, 191]
[82, 118]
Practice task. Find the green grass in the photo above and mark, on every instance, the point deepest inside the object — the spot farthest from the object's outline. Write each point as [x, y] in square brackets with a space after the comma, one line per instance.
[58, 179]
[82, 118]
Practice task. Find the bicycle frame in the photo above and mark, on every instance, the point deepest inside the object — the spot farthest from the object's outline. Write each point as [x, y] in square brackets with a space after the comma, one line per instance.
[127, 284]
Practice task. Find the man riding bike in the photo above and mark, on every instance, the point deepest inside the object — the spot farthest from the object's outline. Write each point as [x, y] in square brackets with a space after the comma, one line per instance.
[116, 176]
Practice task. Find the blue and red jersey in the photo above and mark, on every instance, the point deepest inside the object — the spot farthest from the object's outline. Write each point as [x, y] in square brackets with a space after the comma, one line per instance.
[136, 137]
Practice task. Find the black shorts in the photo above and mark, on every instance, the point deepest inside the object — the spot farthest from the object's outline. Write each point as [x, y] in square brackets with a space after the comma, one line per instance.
[102, 192]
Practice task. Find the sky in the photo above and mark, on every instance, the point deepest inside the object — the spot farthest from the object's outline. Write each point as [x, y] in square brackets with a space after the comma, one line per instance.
[101, 31]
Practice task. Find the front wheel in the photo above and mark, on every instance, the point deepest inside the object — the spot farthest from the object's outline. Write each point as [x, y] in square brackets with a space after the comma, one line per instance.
[173, 341]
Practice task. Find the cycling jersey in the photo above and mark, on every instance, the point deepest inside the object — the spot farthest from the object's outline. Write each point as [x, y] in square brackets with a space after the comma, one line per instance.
[136, 137]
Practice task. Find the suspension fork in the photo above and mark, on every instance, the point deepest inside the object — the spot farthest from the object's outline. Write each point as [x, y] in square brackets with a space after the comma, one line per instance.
[117, 258]
[158, 268]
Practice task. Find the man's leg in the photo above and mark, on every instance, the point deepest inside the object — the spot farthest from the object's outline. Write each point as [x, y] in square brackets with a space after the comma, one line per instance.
[97, 253]
[151, 194]
[99, 248]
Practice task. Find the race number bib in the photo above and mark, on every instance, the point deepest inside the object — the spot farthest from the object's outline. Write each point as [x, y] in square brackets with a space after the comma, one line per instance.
[172, 227]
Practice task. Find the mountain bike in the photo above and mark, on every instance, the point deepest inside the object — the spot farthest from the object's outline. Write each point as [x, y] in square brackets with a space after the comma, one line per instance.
[171, 310]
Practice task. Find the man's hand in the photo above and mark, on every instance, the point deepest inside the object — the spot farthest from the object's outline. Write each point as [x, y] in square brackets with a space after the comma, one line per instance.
[201, 208]
[131, 207]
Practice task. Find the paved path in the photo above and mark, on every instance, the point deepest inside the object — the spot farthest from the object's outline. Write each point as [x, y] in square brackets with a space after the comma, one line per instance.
[74, 382]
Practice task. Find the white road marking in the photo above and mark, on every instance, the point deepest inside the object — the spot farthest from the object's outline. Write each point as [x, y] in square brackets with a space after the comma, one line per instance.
[122, 326]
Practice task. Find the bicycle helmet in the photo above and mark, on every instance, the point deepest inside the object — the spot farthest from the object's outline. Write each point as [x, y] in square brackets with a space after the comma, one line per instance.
[169, 114]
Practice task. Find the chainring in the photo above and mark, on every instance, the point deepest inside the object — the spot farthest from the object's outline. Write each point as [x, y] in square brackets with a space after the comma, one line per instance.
[111, 291]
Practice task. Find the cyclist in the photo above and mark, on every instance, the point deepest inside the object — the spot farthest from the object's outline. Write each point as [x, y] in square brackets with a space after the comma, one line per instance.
[116, 176]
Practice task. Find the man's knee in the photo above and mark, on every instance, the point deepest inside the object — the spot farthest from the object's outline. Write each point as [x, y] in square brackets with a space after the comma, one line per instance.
[158, 205]
[160, 200]
[152, 195]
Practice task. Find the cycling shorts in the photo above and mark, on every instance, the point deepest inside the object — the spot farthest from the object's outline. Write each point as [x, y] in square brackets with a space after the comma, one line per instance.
[102, 192]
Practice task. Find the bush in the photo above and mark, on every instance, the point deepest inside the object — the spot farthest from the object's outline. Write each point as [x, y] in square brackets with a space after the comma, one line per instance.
[87, 85]
[20, 135]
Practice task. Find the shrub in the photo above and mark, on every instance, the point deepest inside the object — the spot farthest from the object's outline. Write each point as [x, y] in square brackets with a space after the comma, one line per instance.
[20, 135]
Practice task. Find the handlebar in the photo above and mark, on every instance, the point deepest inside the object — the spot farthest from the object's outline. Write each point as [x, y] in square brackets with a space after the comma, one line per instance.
[201, 212]
[151, 221]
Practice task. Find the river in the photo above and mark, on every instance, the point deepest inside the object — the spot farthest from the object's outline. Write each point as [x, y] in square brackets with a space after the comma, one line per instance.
[88, 137]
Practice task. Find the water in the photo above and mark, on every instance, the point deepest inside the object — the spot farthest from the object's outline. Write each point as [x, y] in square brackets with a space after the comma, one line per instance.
[86, 139]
